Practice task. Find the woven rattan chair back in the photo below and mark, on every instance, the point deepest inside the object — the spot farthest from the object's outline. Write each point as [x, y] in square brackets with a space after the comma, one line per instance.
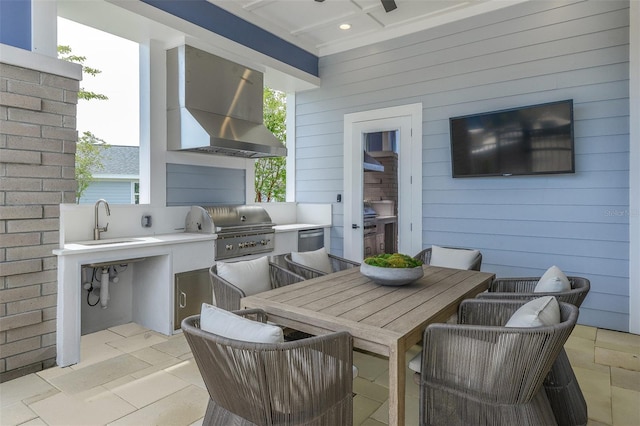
[523, 287]
[482, 373]
[304, 382]
[337, 264]
[561, 384]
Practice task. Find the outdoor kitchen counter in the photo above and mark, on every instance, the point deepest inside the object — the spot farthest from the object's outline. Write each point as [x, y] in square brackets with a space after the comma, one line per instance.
[299, 227]
[158, 259]
[123, 243]
[386, 219]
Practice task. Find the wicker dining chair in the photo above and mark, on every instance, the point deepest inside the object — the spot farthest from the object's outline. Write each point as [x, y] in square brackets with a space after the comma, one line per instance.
[482, 373]
[337, 264]
[523, 288]
[228, 295]
[561, 385]
[304, 382]
[425, 257]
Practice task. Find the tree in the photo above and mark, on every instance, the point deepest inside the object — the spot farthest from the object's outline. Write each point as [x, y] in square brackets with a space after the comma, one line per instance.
[271, 173]
[88, 160]
[65, 53]
[89, 148]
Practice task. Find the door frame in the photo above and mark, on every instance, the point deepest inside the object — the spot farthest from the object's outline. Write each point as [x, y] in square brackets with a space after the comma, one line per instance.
[409, 182]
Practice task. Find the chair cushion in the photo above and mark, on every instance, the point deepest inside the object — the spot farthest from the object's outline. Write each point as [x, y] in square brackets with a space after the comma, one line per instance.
[317, 259]
[251, 276]
[553, 281]
[227, 324]
[536, 313]
[453, 258]
[416, 362]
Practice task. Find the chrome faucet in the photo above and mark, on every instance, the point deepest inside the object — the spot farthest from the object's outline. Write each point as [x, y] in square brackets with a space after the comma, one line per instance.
[97, 230]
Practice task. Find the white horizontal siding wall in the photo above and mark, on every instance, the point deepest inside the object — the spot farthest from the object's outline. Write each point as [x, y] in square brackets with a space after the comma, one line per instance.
[531, 53]
[189, 185]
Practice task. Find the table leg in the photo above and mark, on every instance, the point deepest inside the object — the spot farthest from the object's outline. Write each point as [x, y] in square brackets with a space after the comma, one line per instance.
[396, 386]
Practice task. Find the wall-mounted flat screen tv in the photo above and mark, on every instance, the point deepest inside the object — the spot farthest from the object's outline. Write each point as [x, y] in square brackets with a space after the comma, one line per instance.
[536, 139]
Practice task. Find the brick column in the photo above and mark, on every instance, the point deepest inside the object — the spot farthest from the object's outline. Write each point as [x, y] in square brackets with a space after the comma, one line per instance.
[37, 166]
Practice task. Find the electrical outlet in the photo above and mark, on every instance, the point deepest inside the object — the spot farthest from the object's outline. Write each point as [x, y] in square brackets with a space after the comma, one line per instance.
[146, 221]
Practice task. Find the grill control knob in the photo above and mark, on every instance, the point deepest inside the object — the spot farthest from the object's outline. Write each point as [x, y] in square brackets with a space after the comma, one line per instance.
[229, 247]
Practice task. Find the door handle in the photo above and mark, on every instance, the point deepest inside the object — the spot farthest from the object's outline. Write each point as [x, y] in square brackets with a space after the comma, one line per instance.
[183, 299]
[355, 226]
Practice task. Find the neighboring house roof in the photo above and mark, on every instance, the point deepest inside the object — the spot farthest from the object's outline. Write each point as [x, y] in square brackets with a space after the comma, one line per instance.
[120, 160]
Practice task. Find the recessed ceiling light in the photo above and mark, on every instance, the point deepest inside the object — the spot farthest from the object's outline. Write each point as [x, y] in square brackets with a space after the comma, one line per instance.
[345, 26]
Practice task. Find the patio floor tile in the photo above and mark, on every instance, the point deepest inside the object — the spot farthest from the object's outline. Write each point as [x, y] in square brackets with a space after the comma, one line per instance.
[180, 408]
[95, 406]
[158, 382]
[625, 406]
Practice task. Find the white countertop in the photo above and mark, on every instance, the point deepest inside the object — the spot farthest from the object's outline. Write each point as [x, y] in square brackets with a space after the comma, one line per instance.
[299, 227]
[386, 218]
[108, 244]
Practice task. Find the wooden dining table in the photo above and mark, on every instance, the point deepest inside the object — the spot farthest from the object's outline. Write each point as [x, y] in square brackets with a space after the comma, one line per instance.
[385, 320]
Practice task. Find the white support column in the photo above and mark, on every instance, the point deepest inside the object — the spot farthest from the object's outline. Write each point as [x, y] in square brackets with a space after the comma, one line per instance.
[44, 27]
[291, 147]
[145, 123]
[250, 181]
[155, 98]
[634, 168]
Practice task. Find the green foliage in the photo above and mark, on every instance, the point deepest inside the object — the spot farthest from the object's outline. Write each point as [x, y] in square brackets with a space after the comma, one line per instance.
[65, 53]
[271, 173]
[89, 151]
[89, 147]
[393, 260]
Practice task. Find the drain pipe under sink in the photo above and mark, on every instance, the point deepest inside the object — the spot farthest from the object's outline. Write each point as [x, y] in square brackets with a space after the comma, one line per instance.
[104, 287]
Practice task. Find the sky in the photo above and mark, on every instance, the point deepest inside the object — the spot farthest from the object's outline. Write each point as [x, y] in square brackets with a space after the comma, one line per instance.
[115, 120]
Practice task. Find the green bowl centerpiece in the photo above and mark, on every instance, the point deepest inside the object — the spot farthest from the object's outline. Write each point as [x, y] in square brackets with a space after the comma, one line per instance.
[392, 269]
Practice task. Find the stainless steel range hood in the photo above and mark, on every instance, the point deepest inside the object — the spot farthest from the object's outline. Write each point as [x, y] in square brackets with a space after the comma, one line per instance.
[215, 106]
[370, 164]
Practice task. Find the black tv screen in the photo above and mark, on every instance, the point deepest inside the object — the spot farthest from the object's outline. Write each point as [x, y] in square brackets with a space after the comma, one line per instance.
[536, 139]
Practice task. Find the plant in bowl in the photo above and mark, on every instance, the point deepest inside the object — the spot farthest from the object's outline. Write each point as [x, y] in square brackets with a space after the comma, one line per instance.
[392, 269]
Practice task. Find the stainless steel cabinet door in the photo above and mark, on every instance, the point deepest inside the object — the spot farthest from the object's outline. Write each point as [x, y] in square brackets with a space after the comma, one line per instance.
[192, 289]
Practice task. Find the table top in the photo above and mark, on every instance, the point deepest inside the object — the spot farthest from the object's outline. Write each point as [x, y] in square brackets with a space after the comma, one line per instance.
[378, 317]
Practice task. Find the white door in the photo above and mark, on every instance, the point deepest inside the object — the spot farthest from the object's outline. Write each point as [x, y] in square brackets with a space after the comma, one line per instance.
[407, 121]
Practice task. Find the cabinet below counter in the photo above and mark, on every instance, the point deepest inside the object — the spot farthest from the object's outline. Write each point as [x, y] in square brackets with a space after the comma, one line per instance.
[158, 259]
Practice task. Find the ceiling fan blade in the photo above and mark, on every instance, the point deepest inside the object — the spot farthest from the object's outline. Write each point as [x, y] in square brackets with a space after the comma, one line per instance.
[319, 1]
[388, 5]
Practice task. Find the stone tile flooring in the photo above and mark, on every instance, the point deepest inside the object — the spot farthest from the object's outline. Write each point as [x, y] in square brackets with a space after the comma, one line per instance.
[133, 376]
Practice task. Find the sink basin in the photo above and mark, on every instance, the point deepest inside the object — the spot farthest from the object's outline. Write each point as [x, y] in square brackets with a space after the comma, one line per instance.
[106, 264]
[106, 242]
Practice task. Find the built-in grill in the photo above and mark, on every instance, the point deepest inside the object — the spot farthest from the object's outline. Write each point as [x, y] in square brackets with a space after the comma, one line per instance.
[369, 219]
[241, 230]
